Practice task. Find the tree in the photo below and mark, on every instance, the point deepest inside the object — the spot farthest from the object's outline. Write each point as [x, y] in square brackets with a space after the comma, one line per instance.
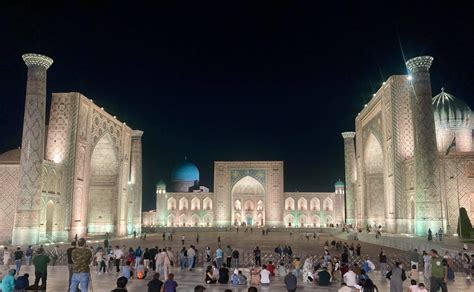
[465, 224]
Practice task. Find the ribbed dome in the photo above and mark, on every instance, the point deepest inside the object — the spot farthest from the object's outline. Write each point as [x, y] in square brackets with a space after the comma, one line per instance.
[450, 111]
[339, 183]
[185, 171]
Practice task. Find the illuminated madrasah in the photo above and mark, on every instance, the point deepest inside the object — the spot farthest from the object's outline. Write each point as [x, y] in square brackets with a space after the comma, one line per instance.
[82, 174]
[410, 163]
[246, 193]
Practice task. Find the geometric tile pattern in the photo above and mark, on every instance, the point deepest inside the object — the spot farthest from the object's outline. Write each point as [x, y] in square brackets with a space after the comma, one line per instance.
[9, 192]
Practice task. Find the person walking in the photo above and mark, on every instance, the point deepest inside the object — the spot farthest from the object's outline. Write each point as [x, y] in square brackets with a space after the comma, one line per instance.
[146, 258]
[81, 258]
[41, 269]
[54, 255]
[18, 255]
[168, 261]
[427, 265]
[439, 272]
[414, 258]
[69, 260]
[8, 281]
[138, 256]
[383, 264]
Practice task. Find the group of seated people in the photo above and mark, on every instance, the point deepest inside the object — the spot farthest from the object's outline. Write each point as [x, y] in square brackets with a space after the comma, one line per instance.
[8, 282]
[221, 276]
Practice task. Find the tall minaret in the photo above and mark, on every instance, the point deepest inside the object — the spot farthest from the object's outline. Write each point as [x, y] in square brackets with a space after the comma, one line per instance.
[350, 173]
[136, 178]
[428, 203]
[27, 217]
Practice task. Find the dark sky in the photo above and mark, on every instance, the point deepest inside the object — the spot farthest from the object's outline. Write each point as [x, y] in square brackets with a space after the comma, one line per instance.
[271, 81]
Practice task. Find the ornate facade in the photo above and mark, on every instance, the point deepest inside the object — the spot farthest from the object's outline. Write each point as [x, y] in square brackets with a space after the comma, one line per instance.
[409, 165]
[80, 176]
[246, 193]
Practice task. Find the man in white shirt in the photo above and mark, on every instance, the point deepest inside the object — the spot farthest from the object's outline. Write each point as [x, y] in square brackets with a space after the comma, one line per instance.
[264, 276]
[168, 258]
[118, 255]
[350, 278]
[159, 259]
[191, 255]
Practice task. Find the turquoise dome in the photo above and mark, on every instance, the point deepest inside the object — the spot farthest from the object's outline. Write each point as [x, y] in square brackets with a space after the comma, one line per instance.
[185, 171]
[339, 183]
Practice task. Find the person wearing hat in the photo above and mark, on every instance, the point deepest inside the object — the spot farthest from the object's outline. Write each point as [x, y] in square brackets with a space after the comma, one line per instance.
[8, 282]
[199, 288]
[41, 269]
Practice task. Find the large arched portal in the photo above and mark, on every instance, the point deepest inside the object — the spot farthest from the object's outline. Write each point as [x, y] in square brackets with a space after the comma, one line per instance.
[251, 192]
[374, 181]
[49, 218]
[103, 191]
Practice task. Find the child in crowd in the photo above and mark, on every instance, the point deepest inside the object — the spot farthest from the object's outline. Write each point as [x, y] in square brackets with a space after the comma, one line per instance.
[414, 273]
[421, 288]
[413, 287]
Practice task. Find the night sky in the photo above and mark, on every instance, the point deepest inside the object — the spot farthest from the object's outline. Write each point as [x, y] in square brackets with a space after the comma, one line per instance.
[232, 82]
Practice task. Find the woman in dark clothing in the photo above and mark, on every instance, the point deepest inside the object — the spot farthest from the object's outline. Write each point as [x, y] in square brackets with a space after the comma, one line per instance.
[223, 275]
[209, 276]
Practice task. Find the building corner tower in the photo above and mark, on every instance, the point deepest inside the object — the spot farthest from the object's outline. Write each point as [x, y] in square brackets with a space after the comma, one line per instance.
[427, 198]
[350, 174]
[136, 179]
[28, 205]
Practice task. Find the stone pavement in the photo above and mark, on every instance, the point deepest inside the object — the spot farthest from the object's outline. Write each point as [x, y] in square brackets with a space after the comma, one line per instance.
[57, 282]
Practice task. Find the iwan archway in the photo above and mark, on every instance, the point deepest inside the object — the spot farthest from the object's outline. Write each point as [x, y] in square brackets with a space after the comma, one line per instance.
[104, 189]
[248, 197]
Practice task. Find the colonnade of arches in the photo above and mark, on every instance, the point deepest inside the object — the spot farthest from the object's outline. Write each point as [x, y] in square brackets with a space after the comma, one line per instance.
[314, 204]
[183, 204]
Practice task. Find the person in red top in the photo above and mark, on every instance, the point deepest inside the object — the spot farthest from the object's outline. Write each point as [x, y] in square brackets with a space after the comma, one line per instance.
[344, 269]
[271, 268]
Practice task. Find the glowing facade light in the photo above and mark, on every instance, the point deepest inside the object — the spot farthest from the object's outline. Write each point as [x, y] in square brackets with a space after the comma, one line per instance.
[115, 117]
[409, 77]
[365, 105]
[102, 108]
[373, 95]
[383, 83]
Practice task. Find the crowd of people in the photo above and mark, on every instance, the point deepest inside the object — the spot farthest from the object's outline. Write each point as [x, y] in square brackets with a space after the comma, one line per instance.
[340, 264]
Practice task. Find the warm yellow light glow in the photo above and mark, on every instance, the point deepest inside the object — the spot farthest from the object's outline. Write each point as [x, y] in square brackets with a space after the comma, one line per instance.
[409, 77]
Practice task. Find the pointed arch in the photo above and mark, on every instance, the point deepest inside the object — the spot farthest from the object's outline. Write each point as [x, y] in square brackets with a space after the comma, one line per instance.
[315, 204]
[172, 204]
[290, 204]
[302, 204]
[195, 204]
[195, 220]
[289, 220]
[207, 203]
[303, 220]
[171, 220]
[237, 205]
[328, 205]
[182, 220]
[259, 205]
[183, 204]
[249, 205]
[316, 221]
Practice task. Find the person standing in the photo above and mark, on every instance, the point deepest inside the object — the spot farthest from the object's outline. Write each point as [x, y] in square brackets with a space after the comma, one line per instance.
[170, 284]
[138, 256]
[358, 248]
[219, 255]
[264, 276]
[383, 264]
[414, 258]
[396, 276]
[118, 255]
[81, 258]
[8, 281]
[182, 239]
[191, 254]
[69, 260]
[159, 260]
[28, 254]
[54, 255]
[235, 259]
[228, 254]
[430, 234]
[439, 272]
[155, 284]
[41, 269]
[146, 258]
[18, 258]
[258, 256]
[6, 258]
[427, 265]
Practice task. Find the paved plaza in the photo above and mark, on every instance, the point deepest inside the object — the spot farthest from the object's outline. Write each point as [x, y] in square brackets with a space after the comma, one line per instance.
[245, 242]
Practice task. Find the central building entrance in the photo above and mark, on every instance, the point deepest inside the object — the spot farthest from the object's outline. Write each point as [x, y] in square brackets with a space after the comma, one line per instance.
[248, 197]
